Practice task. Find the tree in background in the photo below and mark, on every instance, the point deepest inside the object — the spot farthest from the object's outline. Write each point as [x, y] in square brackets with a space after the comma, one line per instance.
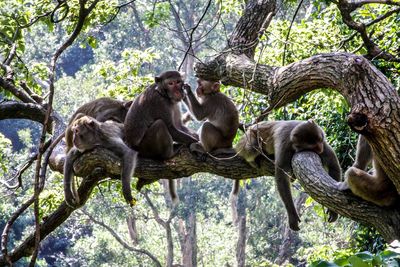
[370, 95]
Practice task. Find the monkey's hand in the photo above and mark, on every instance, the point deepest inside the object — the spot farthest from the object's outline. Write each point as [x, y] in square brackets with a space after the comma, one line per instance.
[294, 221]
[187, 87]
[332, 216]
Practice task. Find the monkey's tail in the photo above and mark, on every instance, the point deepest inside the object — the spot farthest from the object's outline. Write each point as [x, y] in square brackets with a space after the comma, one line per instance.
[233, 198]
[172, 192]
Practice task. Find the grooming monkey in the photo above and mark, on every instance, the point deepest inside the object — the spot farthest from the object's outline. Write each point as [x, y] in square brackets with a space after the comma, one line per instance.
[153, 122]
[222, 118]
[88, 133]
[102, 109]
[282, 139]
[376, 187]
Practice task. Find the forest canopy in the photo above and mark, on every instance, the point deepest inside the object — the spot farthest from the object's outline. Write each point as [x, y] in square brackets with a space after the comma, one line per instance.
[335, 62]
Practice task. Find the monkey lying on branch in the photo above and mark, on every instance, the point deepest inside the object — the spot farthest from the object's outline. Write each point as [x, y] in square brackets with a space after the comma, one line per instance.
[102, 109]
[282, 139]
[87, 134]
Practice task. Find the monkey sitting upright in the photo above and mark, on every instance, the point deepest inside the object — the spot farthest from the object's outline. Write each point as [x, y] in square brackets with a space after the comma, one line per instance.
[222, 118]
[376, 188]
[153, 122]
[102, 109]
[283, 139]
[87, 134]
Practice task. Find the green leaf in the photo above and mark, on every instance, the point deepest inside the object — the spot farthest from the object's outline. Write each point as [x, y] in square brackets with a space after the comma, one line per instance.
[323, 264]
[358, 262]
[92, 41]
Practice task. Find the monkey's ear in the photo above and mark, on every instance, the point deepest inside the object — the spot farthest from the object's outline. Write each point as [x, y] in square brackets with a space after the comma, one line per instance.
[91, 123]
[311, 121]
[216, 86]
[157, 79]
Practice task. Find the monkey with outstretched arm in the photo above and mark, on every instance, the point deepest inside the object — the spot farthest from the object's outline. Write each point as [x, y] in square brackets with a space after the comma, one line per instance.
[220, 115]
[87, 134]
[376, 187]
[283, 139]
[153, 122]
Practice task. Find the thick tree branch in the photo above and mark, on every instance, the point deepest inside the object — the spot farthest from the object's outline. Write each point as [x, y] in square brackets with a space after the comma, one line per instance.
[319, 185]
[7, 85]
[18, 110]
[368, 91]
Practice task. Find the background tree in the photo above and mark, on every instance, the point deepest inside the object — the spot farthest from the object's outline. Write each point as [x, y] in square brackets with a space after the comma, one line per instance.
[37, 76]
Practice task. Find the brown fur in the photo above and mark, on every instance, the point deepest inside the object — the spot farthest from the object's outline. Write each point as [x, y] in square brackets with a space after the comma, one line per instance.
[377, 187]
[87, 134]
[153, 122]
[102, 109]
[283, 139]
[222, 118]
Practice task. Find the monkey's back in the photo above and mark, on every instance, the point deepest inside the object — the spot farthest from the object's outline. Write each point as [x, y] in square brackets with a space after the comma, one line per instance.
[225, 115]
[148, 107]
[102, 109]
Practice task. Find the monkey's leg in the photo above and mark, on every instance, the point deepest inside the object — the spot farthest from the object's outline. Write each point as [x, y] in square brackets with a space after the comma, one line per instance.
[211, 138]
[128, 168]
[283, 184]
[157, 142]
[375, 188]
[70, 192]
[363, 154]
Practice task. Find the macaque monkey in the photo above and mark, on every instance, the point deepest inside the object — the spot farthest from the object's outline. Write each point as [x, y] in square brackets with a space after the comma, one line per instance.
[102, 109]
[88, 133]
[283, 139]
[222, 118]
[153, 122]
[376, 187]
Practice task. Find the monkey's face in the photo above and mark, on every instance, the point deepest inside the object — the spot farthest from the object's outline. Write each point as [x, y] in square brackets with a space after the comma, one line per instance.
[84, 137]
[174, 88]
[205, 87]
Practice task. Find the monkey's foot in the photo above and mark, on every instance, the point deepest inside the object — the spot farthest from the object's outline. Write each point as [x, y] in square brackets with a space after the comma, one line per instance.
[353, 171]
[343, 186]
[198, 150]
[294, 222]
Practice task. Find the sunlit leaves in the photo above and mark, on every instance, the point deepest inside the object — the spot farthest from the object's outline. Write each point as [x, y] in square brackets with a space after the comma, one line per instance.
[159, 13]
[123, 77]
[5, 150]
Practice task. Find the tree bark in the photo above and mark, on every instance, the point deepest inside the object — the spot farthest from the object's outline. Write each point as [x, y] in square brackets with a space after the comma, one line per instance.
[374, 103]
[308, 168]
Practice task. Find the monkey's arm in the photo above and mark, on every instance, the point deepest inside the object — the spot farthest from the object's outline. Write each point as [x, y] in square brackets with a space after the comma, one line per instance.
[198, 110]
[330, 160]
[70, 193]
